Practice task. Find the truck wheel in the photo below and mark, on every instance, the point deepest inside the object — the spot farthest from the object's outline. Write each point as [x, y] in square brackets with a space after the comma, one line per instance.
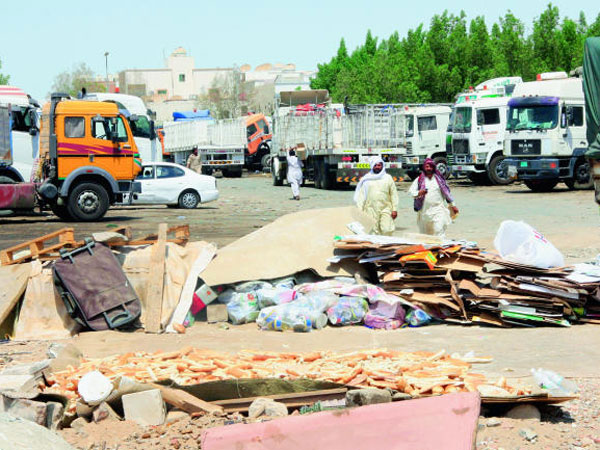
[88, 202]
[265, 161]
[498, 171]
[478, 178]
[188, 199]
[318, 173]
[206, 170]
[582, 177]
[236, 172]
[441, 165]
[327, 177]
[541, 185]
[62, 212]
[275, 168]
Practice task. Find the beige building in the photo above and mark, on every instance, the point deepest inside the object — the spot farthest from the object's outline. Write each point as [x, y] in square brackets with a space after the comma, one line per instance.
[179, 80]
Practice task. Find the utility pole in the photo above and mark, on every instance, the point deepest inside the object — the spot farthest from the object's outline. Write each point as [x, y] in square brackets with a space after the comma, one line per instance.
[106, 62]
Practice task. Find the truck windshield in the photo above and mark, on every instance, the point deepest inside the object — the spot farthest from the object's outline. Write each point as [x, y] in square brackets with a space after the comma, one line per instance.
[532, 117]
[462, 120]
[409, 124]
[141, 127]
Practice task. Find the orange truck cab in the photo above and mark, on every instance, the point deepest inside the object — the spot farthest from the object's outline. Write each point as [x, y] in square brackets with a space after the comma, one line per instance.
[92, 159]
[259, 141]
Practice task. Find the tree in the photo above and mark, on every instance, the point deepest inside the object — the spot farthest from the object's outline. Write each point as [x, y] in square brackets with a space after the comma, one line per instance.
[4, 79]
[80, 76]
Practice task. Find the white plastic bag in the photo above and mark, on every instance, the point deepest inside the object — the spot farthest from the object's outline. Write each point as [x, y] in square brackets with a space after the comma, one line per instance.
[521, 243]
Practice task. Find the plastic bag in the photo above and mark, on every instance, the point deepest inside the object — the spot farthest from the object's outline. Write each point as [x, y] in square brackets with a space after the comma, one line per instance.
[226, 296]
[243, 308]
[284, 317]
[385, 315]
[252, 286]
[287, 283]
[274, 296]
[417, 318]
[348, 311]
[555, 383]
[521, 243]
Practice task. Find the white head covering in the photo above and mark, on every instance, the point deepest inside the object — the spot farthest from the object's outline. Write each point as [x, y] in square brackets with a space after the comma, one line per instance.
[362, 190]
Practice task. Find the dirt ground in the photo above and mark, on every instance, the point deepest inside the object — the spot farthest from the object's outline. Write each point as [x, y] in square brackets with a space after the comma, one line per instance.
[569, 219]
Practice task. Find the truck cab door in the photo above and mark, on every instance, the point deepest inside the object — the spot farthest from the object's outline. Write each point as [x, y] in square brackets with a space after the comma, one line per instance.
[428, 135]
[489, 131]
[575, 132]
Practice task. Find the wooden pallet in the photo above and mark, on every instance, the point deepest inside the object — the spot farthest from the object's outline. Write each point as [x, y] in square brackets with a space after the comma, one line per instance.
[180, 234]
[40, 248]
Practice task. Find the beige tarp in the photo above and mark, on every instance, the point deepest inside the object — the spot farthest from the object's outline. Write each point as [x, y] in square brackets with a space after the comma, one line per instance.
[178, 262]
[292, 243]
[43, 315]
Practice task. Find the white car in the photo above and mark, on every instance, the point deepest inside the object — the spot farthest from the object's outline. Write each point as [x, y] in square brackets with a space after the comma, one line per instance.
[171, 184]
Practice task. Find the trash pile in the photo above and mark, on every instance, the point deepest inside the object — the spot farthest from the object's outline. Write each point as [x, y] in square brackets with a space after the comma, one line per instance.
[459, 283]
[416, 374]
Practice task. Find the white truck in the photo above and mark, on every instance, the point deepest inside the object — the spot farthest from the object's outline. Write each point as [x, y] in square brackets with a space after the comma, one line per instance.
[425, 137]
[478, 131]
[142, 125]
[334, 141]
[25, 132]
[220, 143]
[546, 133]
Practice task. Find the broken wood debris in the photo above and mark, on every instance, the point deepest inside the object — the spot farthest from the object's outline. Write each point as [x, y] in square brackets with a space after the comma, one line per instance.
[460, 283]
[40, 248]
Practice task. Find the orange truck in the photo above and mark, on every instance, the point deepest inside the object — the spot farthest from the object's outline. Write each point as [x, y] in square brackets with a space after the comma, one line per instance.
[88, 162]
[259, 141]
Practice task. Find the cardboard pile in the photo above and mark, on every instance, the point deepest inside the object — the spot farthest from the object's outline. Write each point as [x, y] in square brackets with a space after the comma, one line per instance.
[457, 282]
[417, 373]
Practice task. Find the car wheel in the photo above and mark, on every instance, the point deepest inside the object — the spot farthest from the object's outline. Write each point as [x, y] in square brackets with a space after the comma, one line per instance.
[189, 200]
[88, 202]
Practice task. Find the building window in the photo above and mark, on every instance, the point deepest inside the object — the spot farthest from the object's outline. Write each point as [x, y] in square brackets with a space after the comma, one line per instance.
[162, 92]
[181, 77]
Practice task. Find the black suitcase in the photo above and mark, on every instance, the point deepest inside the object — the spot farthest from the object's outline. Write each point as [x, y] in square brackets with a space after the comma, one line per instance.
[95, 289]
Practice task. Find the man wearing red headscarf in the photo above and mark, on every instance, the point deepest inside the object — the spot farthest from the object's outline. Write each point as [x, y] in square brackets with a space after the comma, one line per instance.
[433, 201]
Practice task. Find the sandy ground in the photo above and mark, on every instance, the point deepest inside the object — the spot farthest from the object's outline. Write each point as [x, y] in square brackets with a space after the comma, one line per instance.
[569, 219]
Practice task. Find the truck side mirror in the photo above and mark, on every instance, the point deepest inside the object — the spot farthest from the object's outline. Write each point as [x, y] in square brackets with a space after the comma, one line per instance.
[152, 131]
[113, 135]
[133, 118]
[570, 118]
[480, 117]
[563, 120]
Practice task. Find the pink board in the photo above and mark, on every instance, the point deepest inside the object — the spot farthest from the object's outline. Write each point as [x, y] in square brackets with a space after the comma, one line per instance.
[446, 422]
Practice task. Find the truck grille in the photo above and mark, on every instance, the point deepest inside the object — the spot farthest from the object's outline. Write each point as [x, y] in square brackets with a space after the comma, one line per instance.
[460, 146]
[526, 147]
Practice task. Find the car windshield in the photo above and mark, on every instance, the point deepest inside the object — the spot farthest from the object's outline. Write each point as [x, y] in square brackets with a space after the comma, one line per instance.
[462, 120]
[532, 117]
[141, 127]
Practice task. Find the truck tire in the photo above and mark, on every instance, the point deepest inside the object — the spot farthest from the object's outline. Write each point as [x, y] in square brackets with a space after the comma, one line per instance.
[206, 170]
[6, 180]
[441, 164]
[62, 212]
[318, 173]
[88, 202]
[582, 177]
[328, 181]
[479, 178]
[497, 171]
[265, 162]
[541, 185]
[275, 169]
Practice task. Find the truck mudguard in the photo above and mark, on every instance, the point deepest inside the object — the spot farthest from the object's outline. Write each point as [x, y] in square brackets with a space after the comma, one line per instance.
[86, 171]
[11, 172]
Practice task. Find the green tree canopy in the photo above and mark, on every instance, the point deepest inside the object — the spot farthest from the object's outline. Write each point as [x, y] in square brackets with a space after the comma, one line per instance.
[4, 79]
[434, 64]
[80, 76]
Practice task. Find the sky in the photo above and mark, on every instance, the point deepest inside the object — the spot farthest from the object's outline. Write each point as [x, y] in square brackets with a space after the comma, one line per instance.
[40, 39]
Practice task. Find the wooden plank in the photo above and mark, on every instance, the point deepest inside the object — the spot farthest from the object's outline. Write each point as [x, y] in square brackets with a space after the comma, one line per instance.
[185, 401]
[181, 232]
[156, 274]
[13, 280]
[291, 400]
[37, 246]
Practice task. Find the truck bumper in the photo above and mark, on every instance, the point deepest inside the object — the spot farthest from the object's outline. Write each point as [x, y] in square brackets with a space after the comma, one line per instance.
[345, 175]
[534, 169]
[17, 196]
[465, 168]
